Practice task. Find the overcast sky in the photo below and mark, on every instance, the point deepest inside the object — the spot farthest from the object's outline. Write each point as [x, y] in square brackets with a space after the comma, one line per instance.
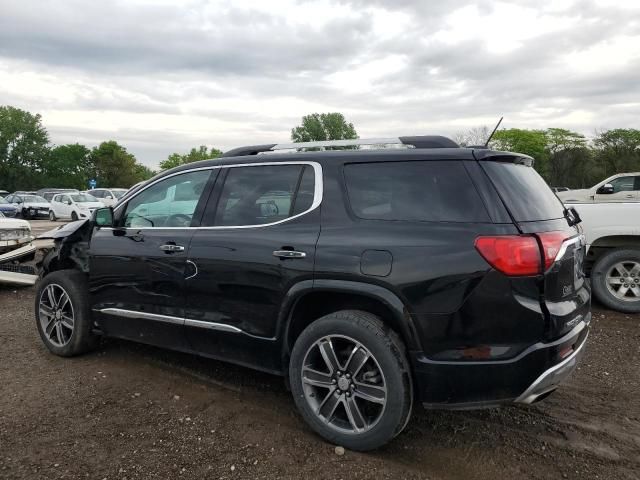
[164, 76]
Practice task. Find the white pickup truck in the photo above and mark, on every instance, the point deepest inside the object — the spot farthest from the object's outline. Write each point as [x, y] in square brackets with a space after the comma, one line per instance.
[612, 231]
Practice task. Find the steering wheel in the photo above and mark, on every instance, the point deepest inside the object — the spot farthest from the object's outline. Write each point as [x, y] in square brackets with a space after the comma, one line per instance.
[178, 220]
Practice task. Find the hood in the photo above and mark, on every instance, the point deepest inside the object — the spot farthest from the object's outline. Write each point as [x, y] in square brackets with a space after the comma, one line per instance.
[13, 223]
[36, 204]
[64, 230]
[582, 195]
[89, 204]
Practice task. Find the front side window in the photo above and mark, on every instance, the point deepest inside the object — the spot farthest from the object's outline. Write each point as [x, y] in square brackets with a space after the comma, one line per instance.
[264, 194]
[623, 184]
[169, 203]
[97, 193]
[420, 191]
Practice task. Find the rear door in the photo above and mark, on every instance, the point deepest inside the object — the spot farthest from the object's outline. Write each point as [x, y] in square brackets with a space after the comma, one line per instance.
[564, 294]
[258, 239]
[138, 268]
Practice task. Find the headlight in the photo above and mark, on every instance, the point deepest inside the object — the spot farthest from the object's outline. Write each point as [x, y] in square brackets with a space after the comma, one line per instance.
[15, 234]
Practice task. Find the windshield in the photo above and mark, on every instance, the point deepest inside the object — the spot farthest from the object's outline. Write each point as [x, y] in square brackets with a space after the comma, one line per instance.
[83, 198]
[119, 193]
[33, 199]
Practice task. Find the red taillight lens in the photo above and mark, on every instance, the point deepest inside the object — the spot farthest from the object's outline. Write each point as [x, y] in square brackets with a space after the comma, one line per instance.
[516, 255]
[551, 244]
[519, 255]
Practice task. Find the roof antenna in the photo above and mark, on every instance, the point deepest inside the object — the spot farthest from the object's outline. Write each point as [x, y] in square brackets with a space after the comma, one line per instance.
[486, 145]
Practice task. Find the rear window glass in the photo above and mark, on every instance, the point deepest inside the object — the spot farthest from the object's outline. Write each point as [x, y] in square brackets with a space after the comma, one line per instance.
[423, 191]
[524, 191]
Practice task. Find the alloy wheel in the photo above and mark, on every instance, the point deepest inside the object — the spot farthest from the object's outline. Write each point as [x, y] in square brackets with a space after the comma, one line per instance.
[55, 312]
[344, 384]
[623, 281]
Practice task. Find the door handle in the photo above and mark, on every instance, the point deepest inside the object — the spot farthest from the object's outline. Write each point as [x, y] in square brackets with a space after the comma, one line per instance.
[288, 254]
[169, 248]
[631, 196]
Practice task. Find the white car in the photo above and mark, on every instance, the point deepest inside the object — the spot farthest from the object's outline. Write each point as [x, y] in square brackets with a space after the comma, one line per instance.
[623, 187]
[75, 206]
[108, 196]
[29, 205]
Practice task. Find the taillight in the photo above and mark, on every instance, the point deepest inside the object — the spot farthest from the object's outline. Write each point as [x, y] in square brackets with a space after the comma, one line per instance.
[519, 255]
[551, 245]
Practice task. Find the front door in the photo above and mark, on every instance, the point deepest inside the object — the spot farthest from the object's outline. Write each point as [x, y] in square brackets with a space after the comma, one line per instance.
[138, 268]
[625, 189]
[258, 239]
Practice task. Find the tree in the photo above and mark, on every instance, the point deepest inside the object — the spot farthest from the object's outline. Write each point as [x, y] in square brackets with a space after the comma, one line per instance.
[529, 142]
[113, 166]
[323, 126]
[67, 166]
[23, 146]
[617, 151]
[202, 153]
[473, 136]
[569, 159]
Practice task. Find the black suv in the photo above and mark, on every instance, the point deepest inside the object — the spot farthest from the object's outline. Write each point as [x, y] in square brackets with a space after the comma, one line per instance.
[371, 278]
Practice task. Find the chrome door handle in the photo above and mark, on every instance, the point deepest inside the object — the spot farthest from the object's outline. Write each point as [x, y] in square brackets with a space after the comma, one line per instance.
[288, 254]
[631, 196]
[171, 248]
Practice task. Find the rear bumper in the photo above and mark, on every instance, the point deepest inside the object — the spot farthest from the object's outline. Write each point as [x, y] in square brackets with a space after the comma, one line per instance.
[524, 379]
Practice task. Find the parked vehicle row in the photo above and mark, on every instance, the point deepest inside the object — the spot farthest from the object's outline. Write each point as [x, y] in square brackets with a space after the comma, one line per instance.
[372, 279]
[54, 203]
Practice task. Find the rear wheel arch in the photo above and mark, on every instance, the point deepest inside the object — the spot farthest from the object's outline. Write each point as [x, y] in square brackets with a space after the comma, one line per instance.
[309, 302]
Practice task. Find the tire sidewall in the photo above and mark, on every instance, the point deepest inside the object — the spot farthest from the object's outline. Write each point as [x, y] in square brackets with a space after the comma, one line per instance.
[395, 375]
[74, 283]
[599, 281]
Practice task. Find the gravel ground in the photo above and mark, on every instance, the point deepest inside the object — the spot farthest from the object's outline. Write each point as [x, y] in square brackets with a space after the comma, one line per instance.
[137, 412]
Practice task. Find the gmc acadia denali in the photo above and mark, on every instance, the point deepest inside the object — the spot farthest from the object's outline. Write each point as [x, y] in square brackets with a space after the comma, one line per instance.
[389, 272]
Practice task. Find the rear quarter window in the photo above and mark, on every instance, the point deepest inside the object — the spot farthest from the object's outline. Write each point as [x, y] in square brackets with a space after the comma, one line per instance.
[422, 191]
[524, 191]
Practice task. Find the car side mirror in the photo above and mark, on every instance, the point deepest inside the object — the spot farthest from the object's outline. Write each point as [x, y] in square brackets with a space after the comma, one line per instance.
[103, 217]
[605, 189]
[108, 197]
[69, 202]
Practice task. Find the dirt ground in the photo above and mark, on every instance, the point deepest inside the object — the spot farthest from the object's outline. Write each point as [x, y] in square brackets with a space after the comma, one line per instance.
[136, 412]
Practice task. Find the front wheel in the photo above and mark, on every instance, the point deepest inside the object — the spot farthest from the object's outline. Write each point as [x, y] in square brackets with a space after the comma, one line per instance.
[74, 216]
[62, 313]
[52, 216]
[350, 380]
[25, 214]
[615, 278]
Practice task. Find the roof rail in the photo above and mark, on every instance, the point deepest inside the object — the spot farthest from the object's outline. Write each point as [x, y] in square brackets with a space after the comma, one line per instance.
[424, 141]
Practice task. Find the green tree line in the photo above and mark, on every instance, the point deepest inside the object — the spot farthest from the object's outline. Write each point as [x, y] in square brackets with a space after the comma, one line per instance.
[566, 158]
[29, 161]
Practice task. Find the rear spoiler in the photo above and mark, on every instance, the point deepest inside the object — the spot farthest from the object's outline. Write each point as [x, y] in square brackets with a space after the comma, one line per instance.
[507, 157]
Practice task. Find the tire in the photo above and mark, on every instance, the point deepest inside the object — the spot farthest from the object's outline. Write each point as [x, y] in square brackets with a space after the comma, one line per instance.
[25, 214]
[609, 271]
[60, 339]
[52, 216]
[385, 373]
[74, 216]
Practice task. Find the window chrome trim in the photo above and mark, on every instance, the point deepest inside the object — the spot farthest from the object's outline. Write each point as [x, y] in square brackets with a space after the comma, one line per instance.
[317, 195]
[121, 312]
[580, 240]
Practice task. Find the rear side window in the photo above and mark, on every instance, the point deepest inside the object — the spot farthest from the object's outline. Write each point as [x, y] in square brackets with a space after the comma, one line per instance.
[525, 193]
[423, 191]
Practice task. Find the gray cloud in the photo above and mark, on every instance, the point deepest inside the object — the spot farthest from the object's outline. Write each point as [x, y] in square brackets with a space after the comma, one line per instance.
[195, 60]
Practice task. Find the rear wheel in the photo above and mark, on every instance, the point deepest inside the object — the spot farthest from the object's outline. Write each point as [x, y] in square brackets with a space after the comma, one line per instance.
[615, 278]
[62, 313]
[350, 380]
